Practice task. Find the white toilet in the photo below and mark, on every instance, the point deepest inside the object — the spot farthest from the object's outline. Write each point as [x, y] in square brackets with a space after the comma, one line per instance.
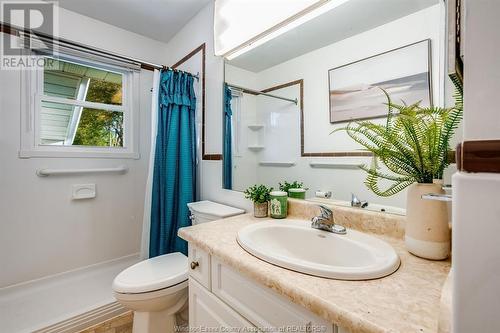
[157, 289]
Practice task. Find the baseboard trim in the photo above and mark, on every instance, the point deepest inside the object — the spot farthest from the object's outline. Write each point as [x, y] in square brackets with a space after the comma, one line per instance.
[85, 320]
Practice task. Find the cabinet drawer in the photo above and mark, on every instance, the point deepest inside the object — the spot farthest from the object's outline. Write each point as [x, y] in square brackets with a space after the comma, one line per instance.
[263, 307]
[209, 314]
[199, 265]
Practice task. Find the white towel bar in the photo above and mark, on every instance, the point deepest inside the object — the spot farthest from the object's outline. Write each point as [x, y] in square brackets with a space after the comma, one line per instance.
[59, 172]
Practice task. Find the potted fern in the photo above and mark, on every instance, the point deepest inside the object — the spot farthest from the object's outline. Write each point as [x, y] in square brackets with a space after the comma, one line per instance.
[413, 145]
[259, 194]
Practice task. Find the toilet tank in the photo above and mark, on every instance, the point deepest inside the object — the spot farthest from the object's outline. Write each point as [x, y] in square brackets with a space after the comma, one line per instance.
[206, 211]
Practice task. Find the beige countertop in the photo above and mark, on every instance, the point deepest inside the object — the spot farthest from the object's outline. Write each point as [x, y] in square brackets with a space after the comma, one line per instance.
[406, 301]
[446, 306]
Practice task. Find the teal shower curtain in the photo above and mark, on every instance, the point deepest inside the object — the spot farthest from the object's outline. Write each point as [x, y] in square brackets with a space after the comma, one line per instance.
[174, 176]
[227, 158]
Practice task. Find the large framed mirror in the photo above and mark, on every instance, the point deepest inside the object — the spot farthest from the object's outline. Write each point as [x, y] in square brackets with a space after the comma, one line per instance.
[284, 97]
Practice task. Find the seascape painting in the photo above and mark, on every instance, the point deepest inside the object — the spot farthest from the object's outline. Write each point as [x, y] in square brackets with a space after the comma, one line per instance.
[404, 73]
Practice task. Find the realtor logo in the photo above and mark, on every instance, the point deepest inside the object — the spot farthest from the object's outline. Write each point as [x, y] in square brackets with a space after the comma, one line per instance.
[33, 25]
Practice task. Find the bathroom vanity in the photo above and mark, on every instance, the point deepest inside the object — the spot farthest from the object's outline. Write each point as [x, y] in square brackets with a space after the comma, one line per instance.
[230, 289]
[221, 297]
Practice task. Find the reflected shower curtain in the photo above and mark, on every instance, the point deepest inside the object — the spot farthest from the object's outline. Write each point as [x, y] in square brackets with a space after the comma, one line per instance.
[227, 158]
[174, 176]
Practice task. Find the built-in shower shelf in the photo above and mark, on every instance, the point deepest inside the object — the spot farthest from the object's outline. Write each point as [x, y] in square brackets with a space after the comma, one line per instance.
[255, 127]
[256, 147]
[277, 164]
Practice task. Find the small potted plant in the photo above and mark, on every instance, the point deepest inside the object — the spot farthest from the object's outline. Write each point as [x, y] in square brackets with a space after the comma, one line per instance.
[259, 194]
[413, 145]
[294, 190]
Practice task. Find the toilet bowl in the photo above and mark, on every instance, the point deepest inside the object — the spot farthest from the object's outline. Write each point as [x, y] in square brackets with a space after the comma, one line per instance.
[156, 289]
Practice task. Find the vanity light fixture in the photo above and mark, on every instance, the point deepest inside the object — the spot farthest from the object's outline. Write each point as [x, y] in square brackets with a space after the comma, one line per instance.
[286, 26]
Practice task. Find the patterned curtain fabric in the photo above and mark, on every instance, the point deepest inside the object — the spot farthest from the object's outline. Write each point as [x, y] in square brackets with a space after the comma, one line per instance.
[174, 177]
[227, 160]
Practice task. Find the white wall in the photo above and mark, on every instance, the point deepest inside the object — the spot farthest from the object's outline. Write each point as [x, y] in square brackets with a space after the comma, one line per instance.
[197, 31]
[43, 232]
[476, 223]
[313, 69]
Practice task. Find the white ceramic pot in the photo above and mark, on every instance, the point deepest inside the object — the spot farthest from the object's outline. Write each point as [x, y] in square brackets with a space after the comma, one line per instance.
[427, 233]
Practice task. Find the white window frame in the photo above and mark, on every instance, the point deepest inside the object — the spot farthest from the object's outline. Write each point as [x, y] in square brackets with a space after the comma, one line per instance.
[31, 106]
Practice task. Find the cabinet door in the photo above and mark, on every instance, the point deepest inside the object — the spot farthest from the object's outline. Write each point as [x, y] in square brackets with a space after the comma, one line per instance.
[209, 314]
[263, 307]
[199, 265]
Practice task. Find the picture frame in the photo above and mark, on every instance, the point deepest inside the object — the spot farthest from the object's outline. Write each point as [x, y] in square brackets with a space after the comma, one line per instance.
[405, 73]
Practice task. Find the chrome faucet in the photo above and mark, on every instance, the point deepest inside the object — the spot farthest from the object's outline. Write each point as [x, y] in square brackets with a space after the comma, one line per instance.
[355, 202]
[438, 196]
[326, 222]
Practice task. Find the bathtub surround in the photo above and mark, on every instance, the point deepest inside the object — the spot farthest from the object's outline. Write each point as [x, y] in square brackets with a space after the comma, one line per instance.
[406, 301]
[174, 176]
[76, 299]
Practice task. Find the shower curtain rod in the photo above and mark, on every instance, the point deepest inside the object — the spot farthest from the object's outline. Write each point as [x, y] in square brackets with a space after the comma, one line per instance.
[15, 31]
[242, 89]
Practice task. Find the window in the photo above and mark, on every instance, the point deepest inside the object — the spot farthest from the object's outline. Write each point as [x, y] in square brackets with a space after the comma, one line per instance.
[80, 107]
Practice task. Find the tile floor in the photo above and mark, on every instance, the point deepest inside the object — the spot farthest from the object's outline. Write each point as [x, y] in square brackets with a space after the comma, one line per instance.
[119, 324]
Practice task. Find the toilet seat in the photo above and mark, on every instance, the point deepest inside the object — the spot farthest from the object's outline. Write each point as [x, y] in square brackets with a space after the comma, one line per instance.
[152, 294]
[153, 274]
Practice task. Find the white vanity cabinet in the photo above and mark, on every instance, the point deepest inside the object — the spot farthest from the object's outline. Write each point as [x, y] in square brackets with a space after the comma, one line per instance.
[222, 299]
[206, 311]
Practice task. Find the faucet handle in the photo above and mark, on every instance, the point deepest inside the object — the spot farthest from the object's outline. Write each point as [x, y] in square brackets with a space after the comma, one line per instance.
[326, 212]
[354, 200]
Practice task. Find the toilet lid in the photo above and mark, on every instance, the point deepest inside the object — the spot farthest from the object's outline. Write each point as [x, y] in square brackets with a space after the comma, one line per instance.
[153, 274]
[213, 210]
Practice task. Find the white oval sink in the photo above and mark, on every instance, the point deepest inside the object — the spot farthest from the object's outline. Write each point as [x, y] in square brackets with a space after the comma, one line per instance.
[293, 244]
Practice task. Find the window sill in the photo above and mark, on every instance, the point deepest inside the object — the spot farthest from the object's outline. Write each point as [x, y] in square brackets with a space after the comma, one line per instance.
[78, 154]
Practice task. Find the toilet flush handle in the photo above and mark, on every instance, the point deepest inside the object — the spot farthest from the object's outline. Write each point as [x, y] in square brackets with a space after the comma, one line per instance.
[194, 264]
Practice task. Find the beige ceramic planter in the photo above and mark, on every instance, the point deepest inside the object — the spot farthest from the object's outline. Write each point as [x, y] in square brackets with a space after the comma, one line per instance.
[260, 209]
[427, 232]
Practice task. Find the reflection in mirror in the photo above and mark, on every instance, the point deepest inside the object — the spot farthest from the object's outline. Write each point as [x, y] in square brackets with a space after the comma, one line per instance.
[286, 96]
